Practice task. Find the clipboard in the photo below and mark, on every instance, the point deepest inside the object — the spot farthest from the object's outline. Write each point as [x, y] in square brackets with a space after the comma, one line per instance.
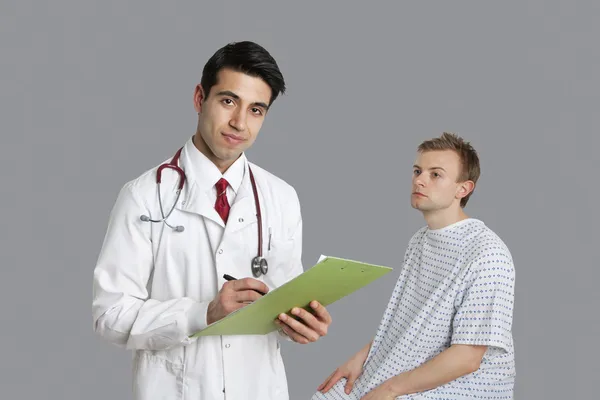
[328, 281]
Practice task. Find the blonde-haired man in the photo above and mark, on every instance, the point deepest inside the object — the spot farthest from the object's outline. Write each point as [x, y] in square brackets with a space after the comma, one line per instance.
[446, 332]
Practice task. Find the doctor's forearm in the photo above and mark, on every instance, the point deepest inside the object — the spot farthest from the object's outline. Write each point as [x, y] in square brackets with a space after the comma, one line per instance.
[152, 325]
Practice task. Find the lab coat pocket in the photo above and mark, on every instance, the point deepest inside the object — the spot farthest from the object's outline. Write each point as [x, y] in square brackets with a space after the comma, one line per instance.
[280, 252]
[279, 257]
[157, 378]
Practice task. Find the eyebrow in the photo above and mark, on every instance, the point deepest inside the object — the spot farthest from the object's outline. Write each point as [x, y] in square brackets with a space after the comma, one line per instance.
[416, 166]
[235, 96]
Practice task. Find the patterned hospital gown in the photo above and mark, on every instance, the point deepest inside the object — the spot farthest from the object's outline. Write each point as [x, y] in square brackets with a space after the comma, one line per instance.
[456, 287]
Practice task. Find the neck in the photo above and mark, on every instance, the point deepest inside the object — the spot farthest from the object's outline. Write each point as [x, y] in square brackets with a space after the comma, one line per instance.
[200, 144]
[439, 219]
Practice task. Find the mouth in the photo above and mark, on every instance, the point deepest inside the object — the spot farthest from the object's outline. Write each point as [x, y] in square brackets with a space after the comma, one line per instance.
[231, 138]
[418, 194]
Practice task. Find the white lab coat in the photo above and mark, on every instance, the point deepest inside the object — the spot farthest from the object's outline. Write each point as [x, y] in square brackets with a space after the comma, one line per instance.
[152, 286]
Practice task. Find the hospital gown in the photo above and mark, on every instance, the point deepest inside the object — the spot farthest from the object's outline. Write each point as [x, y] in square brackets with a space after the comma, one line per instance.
[456, 287]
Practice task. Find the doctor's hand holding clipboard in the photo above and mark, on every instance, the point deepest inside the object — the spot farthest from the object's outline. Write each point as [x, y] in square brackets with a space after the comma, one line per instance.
[235, 294]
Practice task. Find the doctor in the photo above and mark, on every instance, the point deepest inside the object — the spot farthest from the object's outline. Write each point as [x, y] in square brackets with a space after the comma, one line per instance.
[157, 280]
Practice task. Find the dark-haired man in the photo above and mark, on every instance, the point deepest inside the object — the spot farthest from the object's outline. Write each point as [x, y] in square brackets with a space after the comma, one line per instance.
[160, 276]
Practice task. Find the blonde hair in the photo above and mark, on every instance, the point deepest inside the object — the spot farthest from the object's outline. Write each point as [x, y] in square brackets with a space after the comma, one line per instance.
[470, 169]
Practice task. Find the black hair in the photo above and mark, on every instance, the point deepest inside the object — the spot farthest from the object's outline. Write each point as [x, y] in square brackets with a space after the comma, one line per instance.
[249, 58]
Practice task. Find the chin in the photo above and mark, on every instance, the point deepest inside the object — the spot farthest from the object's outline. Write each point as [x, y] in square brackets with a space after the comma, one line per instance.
[416, 206]
[416, 203]
[424, 208]
[227, 154]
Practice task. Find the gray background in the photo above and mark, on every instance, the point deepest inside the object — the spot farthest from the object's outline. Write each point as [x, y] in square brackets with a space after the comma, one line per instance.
[94, 93]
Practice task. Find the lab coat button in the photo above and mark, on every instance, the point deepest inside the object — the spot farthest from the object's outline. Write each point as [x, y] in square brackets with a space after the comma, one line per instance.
[241, 219]
[220, 251]
[227, 345]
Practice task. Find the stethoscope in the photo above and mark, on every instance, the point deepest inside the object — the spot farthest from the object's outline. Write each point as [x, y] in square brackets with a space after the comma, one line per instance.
[259, 263]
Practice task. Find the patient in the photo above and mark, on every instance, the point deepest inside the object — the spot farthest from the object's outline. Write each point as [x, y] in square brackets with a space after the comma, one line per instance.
[446, 332]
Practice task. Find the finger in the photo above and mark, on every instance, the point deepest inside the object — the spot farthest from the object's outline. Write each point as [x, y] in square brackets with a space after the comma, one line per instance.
[309, 326]
[298, 327]
[321, 312]
[349, 384]
[228, 286]
[295, 336]
[334, 379]
[326, 380]
[246, 296]
[301, 327]
[306, 316]
[251, 284]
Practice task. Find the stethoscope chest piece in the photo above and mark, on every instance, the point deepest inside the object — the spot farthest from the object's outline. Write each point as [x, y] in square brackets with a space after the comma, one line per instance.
[259, 266]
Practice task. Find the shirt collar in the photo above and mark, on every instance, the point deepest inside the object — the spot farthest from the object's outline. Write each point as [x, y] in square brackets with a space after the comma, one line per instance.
[206, 174]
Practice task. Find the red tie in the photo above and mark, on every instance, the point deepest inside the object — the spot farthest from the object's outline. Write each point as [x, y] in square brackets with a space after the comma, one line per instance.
[222, 205]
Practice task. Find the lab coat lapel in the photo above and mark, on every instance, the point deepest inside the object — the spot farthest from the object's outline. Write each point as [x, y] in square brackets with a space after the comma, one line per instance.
[198, 202]
[243, 212]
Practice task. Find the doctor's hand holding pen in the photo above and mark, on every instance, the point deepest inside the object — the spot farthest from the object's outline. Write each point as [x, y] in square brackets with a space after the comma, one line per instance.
[234, 295]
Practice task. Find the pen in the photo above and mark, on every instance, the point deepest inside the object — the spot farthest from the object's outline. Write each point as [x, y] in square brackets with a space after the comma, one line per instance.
[269, 239]
[231, 278]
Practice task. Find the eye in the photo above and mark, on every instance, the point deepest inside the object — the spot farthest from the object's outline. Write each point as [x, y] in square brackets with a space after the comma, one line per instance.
[256, 111]
[416, 172]
[436, 175]
[227, 101]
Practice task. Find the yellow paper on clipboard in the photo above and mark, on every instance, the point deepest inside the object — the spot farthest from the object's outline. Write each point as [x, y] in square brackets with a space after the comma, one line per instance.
[328, 281]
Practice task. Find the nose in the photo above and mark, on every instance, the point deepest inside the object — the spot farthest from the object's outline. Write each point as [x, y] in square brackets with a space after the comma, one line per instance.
[238, 120]
[419, 181]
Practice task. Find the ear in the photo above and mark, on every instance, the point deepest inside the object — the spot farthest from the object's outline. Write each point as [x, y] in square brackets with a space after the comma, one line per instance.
[199, 97]
[464, 189]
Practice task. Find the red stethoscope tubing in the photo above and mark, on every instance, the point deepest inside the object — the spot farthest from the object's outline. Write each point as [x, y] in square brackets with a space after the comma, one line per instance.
[259, 264]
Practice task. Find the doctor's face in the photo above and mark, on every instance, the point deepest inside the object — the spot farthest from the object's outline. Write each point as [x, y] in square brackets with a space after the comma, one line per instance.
[230, 116]
[435, 181]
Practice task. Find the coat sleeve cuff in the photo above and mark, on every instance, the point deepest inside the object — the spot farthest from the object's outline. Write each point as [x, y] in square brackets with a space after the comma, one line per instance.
[283, 335]
[196, 317]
